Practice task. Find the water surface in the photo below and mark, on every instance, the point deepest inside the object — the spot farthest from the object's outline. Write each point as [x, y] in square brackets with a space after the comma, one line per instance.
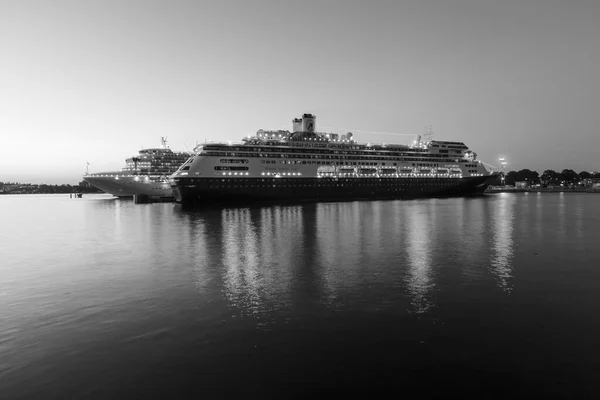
[489, 297]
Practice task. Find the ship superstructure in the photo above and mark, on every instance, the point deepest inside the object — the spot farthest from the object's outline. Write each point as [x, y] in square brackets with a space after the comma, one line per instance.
[306, 164]
[146, 173]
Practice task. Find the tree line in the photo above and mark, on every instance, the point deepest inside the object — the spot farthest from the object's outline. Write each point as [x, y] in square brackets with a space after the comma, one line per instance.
[29, 188]
[549, 177]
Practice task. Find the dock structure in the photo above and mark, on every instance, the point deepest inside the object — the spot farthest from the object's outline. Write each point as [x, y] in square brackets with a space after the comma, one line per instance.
[557, 189]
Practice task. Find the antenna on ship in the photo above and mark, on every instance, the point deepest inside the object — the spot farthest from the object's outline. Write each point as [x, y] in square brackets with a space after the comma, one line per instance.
[163, 142]
[87, 166]
[428, 135]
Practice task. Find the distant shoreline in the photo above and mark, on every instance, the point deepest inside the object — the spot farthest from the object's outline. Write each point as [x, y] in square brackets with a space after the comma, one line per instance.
[64, 193]
[543, 190]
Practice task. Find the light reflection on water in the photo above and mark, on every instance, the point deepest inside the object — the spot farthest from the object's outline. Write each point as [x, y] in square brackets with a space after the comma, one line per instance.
[264, 256]
[420, 227]
[561, 215]
[502, 221]
[253, 282]
[579, 218]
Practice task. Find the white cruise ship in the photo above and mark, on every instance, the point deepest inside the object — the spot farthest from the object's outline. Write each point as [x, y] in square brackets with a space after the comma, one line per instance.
[308, 165]
[145, 174]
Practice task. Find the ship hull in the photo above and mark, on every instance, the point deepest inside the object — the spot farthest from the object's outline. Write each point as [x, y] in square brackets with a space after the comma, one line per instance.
[128, 186]
[214, 190]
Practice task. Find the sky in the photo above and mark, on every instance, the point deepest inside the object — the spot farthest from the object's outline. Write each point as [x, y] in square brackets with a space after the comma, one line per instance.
[95, 81]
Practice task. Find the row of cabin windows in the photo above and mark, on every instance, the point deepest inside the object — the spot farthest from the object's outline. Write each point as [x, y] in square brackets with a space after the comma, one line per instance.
[151, 163]
[232, 168]
[458, 146]
[317, 144]
[400, 185]
[162, 157]
[312, 182]
[299, 146]
[348, 163]
[251, 150]
[432, 157]
[321, 155]
[456, 149]
[328, 163]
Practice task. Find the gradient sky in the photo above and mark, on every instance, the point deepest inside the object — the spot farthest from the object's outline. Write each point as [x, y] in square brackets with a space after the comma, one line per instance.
[98, 80]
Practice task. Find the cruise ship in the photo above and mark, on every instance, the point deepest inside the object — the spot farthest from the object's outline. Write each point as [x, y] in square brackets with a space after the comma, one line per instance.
[305, 164]
[145, 174]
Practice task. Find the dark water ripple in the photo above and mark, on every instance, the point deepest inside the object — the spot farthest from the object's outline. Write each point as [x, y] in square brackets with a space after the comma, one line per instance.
[493, 297]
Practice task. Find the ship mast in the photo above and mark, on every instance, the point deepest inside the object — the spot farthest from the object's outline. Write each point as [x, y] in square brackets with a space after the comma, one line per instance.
[428, 135]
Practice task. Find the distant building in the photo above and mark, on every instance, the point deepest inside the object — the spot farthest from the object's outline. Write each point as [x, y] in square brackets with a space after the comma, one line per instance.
[521, 184]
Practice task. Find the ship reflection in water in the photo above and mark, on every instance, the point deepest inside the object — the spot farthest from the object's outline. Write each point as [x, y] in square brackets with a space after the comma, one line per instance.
[264, 258]
[267, 259]
[254, 283]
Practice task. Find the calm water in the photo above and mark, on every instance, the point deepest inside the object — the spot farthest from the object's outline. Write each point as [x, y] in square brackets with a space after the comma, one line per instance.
[487, 297]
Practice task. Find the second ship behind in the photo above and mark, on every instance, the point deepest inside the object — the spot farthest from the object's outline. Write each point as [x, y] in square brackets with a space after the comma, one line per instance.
[145, 174]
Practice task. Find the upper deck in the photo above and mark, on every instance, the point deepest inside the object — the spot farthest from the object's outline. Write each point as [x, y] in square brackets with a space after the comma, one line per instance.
[304, 141]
